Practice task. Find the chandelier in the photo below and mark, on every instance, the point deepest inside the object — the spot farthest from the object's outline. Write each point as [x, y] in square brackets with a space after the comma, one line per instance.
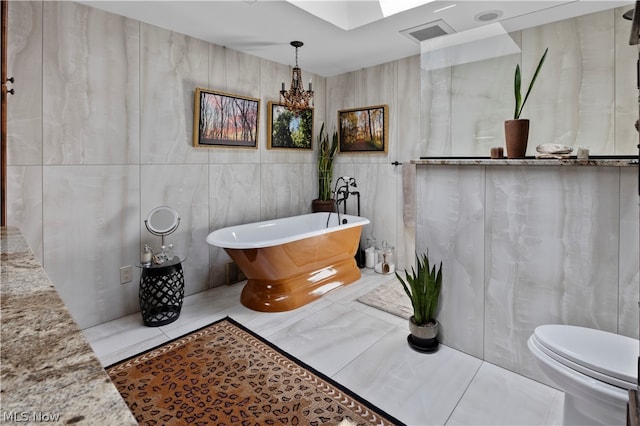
[296, 98]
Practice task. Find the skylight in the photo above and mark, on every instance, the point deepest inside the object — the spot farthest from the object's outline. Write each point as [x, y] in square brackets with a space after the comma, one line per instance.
[350, 14]
[391, 7]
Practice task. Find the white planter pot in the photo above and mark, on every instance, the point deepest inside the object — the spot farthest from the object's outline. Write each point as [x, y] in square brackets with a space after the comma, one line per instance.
[429, 331]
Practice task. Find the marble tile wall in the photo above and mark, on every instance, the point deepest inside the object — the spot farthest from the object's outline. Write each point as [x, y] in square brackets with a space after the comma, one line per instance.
[451, 205]
[574, 104]
[585, 94]
[525, 246]
[626, 137]
[100, 133]
[92, 228]
[24, 129]
[628, 270]
[90, 100]
[24, 63]
[380, 183]
[172, 66]
[560, 245]
[478, 94]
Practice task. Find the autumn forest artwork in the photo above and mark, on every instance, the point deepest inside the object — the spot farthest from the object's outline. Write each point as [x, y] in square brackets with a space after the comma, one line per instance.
[364, 129]
[222, 119]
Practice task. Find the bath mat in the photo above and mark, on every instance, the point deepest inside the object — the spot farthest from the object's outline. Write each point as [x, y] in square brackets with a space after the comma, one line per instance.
[224, 374]
[389, 297]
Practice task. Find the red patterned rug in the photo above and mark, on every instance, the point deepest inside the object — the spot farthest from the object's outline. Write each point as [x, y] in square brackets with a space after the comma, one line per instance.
[224, 374]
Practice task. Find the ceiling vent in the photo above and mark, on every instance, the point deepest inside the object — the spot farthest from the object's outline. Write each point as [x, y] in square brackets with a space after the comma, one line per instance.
[428, 31]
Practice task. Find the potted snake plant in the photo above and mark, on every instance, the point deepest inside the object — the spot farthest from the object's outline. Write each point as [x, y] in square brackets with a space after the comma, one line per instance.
[516, 131]
[326, 154]
[423, 288]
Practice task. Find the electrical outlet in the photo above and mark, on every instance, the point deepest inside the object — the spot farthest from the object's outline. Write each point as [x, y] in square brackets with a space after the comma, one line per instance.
[126, 273]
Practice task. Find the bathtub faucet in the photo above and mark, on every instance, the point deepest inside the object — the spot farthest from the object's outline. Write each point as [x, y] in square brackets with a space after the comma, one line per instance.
[341, 194]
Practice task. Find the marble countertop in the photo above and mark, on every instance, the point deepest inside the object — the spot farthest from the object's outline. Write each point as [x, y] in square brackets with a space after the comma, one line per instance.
[529, 161]
[48, 370]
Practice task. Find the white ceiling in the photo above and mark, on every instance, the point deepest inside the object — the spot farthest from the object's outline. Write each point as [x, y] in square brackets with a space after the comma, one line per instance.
[265, 28]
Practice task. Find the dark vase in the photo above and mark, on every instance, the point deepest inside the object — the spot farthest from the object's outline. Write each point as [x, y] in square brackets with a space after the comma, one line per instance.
[318, 205]
[516, 134]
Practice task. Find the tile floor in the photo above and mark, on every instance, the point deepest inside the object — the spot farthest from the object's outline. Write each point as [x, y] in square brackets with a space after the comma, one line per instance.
[362, 348]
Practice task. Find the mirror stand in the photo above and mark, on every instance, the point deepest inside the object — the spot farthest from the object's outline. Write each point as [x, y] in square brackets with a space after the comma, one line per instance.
[162, 221]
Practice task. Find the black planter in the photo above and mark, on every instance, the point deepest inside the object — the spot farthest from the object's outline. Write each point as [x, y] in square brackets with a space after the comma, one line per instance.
[318, 205]
[423, 345]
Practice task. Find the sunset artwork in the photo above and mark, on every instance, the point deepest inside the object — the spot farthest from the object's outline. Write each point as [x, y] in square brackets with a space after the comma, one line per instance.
[364, 129]
[225, 120]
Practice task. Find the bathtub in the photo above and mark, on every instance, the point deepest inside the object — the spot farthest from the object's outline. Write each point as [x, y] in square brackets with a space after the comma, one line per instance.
[292, 261]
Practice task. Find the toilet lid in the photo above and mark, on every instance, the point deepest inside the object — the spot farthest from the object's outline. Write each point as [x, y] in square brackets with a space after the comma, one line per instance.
[605, 353]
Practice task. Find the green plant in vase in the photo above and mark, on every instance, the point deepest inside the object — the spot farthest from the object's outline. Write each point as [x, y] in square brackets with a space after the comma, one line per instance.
[517, 130]
[327, 150]
[423, 288]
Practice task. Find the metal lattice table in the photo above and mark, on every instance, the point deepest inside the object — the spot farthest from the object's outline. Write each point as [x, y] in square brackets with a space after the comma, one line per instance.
[161, 293]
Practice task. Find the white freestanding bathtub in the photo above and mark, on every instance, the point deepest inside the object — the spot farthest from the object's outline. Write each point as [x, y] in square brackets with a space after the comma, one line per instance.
[292, 261]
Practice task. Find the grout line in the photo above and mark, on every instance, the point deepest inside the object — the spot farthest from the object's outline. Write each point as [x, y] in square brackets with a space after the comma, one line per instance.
[466, 389]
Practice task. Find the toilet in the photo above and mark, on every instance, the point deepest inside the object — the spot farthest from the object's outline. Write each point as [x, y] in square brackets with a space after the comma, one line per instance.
[594, 368]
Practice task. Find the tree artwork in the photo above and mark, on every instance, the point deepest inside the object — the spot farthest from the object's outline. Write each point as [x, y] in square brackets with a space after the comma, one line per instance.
[226, 120]
[290, 129]
[363, 129]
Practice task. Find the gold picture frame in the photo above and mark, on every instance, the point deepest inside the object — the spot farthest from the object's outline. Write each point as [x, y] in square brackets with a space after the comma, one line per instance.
[364, 130]
[225, 120]
[287, 129]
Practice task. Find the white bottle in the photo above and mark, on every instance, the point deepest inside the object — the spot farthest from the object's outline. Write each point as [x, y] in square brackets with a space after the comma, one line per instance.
[145, 256]
[370, 253]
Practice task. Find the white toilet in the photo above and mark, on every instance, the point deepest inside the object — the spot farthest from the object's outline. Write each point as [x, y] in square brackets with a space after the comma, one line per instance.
[594, 368]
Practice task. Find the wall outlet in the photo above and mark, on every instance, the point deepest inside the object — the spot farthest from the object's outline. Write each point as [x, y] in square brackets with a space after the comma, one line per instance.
[126, 274]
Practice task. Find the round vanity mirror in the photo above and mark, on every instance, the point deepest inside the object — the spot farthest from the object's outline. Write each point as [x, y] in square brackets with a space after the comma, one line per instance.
[162, 221]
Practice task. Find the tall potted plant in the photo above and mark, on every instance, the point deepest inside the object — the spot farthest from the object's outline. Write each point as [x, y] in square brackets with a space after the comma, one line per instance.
[326, 153]
[423, 288]
[516, 131]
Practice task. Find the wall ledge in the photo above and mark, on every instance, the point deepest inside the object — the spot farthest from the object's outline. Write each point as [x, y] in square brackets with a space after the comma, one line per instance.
[600, 161]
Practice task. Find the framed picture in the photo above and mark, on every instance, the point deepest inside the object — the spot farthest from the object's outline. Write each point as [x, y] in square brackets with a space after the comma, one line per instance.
[222, 119]
[364, 129]
[289, 130]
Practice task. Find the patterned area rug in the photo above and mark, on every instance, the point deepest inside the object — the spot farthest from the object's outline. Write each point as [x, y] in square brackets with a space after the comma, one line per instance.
[224, 374]
[389, 297]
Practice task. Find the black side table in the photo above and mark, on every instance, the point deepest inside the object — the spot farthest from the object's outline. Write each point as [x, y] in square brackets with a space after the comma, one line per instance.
[161, 292]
